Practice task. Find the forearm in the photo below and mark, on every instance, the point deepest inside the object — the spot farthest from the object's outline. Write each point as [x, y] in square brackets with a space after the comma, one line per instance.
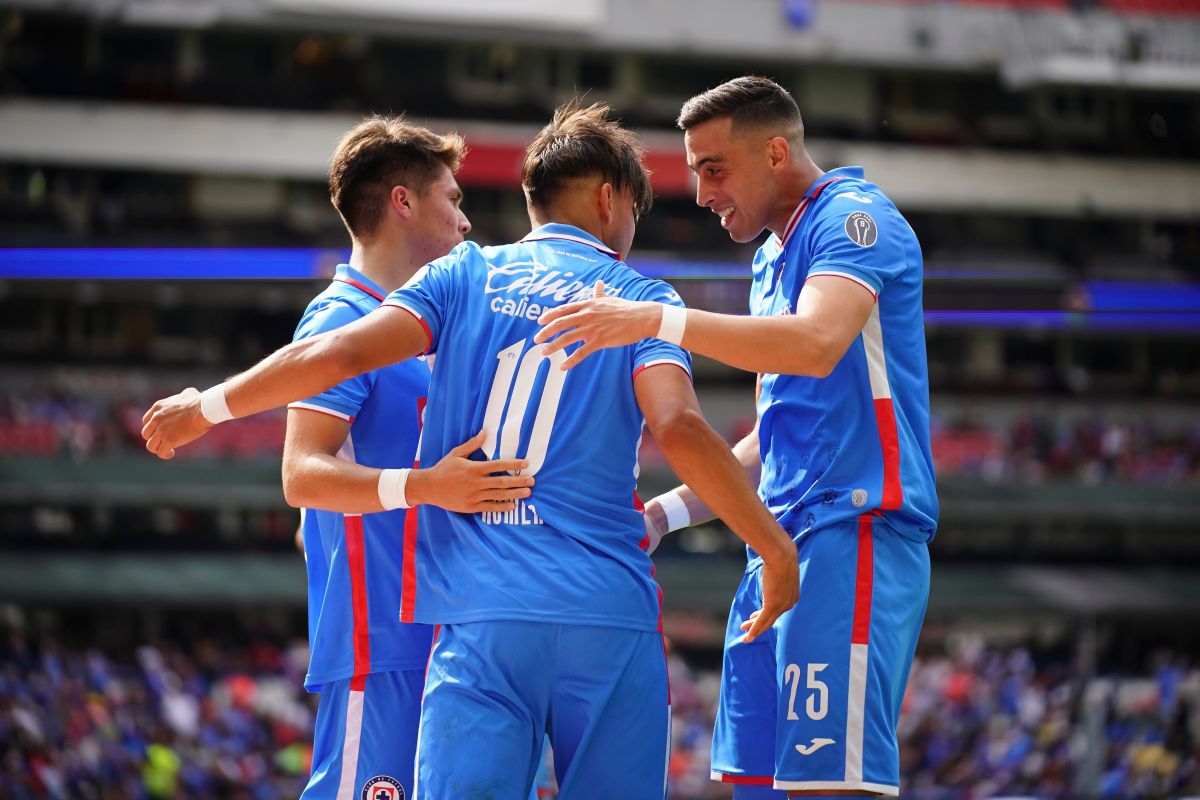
[698, 512]
[782, 345]
[298, 371]
[329, 483]
[720, 481]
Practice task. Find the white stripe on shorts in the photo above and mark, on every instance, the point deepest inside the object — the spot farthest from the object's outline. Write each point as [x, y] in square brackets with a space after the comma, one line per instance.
[855, 711]
[354, 709]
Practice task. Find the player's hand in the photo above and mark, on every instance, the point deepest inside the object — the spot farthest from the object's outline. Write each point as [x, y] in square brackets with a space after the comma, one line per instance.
[173, 422]
[458, 484]
[780, 591]
[604, 321]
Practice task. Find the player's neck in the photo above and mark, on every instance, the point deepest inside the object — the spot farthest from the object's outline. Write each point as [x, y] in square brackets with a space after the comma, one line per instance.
[793, 185]
[588, 223]
[387, 265]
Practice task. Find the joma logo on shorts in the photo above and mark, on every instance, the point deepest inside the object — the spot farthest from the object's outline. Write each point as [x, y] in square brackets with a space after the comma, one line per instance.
[817, 744]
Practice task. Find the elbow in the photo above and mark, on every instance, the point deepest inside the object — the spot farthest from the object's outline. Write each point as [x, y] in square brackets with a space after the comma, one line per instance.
[680, 429]
[294, 491]
[340, 360]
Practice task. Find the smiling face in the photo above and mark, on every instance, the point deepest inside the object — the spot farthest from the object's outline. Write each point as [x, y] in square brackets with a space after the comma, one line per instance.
[734, 176]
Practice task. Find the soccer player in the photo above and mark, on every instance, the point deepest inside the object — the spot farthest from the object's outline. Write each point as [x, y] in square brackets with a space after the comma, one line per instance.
[393, 185]
[837, 337]
[549, 615]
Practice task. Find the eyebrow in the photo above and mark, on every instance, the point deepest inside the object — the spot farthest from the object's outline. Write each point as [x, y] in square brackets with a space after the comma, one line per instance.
[706, 160]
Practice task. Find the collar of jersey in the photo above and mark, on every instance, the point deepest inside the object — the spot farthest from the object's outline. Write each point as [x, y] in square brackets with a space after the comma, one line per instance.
[570, 233]
[832, 175]
[348, 274]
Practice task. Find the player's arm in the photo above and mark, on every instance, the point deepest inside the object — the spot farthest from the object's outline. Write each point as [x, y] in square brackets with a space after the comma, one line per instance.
[300, 370]
[314, 476]
[704, 462]
[682, 508]
[830, 313]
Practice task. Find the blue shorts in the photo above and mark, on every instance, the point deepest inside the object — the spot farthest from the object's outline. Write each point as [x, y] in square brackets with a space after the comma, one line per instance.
[365, 742]
[494, 689]
[813, 703]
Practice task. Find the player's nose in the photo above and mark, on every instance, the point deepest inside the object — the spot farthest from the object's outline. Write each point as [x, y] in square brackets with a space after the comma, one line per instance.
[464, 224]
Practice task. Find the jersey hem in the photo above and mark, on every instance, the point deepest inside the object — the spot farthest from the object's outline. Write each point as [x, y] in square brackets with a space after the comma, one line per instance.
[312, 680]
[650, 626]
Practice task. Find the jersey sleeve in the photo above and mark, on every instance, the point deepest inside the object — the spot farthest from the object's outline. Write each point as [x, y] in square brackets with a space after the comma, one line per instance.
[429, 293]
[858, 237]
[345, 399]
[651, 352]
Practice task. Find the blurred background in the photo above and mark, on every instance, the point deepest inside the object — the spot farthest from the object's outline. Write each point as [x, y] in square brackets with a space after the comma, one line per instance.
[164, 220]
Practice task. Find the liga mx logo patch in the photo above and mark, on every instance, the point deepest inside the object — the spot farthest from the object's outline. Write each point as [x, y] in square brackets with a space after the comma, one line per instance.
[382, 787]
[861, 229]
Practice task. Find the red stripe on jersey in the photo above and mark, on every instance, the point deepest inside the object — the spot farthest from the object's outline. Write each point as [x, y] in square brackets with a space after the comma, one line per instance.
[358, 683]
[361, 287]
[885, 418]
[667, 361]
[356, 559]
[408, 581]
[861, 632]
[747, 780]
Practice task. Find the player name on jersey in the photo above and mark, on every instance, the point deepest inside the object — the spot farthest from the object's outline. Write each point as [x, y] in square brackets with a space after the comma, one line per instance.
[524, 514]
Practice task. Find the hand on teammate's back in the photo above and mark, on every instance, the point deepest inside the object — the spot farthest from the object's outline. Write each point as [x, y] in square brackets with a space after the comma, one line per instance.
[457, 483]
[604, 321]
[173, 422]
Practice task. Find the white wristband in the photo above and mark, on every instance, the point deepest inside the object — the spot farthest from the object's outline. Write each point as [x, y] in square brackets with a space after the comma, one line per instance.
[670, 329]
[676, 510]
[213, 406]
[392, 483]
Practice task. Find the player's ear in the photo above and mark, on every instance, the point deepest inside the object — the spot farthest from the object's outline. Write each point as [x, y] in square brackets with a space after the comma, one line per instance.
[605, 199]
[401, 201]
[778, 152]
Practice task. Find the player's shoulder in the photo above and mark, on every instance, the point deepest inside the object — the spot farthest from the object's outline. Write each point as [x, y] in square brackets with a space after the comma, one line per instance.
[633, 285]
[333, 309]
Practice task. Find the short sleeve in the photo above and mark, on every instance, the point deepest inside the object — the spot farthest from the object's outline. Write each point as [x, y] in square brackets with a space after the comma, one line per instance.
[345, 399]
[860, 237]
[429, 293]
[651, 352]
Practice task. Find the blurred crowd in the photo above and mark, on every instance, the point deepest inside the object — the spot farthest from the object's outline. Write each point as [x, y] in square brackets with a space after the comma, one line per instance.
[1033, 447]
[1040, 446]
[201, 721]
[213, 720]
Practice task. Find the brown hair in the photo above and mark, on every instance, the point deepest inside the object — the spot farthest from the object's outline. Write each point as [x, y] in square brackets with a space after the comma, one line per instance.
[580, 142]
[747, 101]
[379, 153]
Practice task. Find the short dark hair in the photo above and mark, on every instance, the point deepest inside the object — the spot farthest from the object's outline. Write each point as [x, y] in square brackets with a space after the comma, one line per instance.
[580, 142]
[747, 101]
[382, 152]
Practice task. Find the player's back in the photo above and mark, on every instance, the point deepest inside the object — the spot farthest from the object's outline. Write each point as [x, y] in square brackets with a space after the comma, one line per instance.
[572, 551]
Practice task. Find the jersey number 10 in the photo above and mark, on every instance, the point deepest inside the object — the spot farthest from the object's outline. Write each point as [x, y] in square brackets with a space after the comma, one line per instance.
[514, 379]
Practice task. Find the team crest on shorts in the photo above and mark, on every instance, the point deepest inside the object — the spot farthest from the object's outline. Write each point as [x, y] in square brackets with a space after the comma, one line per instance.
[382, 787]
[861, 229]
[859, 498]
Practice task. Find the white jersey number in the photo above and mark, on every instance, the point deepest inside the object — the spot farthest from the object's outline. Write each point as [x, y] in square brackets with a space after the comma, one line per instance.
[515, 377]
[817, 704]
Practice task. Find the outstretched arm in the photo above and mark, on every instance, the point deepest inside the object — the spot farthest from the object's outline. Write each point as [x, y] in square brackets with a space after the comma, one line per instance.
[830, 313]
[302, 369]
[315, 477]
[704, 462]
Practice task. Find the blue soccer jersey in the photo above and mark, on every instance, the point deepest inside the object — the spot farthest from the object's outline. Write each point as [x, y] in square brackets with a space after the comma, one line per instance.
[572, 552]
[357, 562]
[857, 440]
